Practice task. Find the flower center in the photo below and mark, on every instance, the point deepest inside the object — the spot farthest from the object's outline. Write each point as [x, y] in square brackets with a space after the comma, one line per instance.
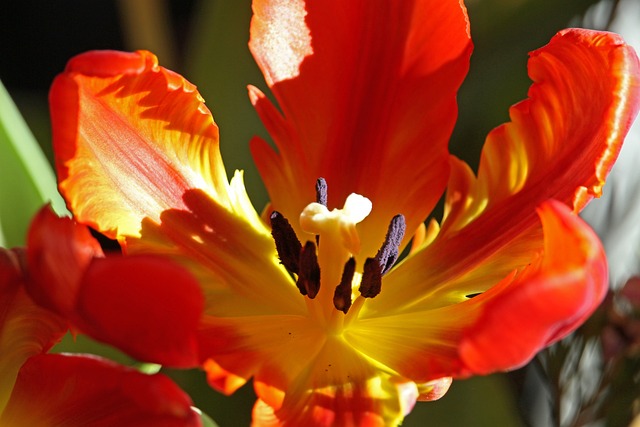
[332, 255]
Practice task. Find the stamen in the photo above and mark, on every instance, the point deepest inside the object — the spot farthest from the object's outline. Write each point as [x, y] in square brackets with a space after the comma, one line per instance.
[342, 294]
[309, 274]
[321, 191]
[374, 268]
[371, 282]
[388, 253]
[287, 244]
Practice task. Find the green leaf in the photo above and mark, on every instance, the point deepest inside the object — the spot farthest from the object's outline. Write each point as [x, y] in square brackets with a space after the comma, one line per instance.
[148, 368]
[206, 420]
[27, 180]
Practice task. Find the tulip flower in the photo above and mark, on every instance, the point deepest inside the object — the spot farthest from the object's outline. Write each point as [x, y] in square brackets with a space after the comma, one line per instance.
[338, 301]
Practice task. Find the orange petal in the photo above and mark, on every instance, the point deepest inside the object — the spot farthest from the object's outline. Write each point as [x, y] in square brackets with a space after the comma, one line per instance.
[278, 347]
[338, 387]
[25, 328]
[501, 328]
[367, 92]
[302, 376]
[130, 137]
[57, 389]
[543, 306]
[222, 380]
[560, 144]
[235, 260]
[563, 140]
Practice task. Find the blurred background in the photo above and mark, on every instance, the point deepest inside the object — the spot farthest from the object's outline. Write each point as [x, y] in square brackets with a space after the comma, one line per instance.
[206, 41]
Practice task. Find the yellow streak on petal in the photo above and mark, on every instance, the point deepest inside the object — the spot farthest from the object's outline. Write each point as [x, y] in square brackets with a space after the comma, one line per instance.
[339, 386]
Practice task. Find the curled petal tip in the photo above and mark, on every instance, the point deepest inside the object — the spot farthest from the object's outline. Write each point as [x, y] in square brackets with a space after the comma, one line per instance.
[543, 305]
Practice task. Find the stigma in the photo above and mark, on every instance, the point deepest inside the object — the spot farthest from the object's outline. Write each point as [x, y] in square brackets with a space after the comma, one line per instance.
[339, 225]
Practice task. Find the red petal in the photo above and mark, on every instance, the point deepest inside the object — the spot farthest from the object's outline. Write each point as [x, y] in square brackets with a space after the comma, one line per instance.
[59, 251]
[544, 306]
[145, 305]
[367, 91]
[107, 63]
[130, 137]
[58, 389]
[25, 328]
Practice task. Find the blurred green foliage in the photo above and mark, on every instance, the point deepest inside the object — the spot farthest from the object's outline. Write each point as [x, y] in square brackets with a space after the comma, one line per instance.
[27, 178]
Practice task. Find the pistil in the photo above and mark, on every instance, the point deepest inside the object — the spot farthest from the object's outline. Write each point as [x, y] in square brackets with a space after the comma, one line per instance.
[334, 257]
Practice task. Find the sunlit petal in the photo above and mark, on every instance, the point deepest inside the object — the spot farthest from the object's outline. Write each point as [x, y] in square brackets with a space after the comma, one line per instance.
[369, 84]
[434, 390]
[563, 140]
[503, 327]
[276, 348]
[348, 391]
[616, 216]
[130, 137]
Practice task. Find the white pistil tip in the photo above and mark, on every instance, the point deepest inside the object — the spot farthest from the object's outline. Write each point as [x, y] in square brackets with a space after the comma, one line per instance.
[313, 216]
[317, 219]
[357, 207]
